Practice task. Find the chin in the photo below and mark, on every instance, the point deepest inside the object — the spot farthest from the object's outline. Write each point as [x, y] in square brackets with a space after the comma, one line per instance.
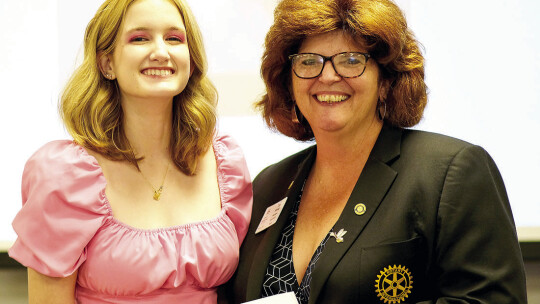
[335, 127]
[164, 92]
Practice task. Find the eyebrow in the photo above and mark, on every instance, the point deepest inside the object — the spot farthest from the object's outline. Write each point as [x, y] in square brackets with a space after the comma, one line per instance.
[172, 28]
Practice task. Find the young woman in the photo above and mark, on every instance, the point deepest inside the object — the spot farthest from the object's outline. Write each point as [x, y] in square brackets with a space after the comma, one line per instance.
[147, 203]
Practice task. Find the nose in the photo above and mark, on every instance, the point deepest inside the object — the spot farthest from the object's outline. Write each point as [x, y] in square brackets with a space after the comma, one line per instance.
[160, 52]
[328, 73]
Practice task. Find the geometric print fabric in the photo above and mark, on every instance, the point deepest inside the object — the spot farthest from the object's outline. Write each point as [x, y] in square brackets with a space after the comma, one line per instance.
[280, 275]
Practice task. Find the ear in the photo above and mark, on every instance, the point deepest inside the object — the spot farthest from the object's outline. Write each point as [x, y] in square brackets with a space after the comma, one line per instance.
[191, 67]
[105, 65]
[290, 87]
[384, 88]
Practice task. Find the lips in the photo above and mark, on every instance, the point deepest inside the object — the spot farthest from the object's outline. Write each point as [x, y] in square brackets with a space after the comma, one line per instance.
[158, 71]
[331, 98]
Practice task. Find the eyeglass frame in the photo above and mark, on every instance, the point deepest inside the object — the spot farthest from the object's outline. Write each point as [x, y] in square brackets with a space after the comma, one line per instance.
[331, 59]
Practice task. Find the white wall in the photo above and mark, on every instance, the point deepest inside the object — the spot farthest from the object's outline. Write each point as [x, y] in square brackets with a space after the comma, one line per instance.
[483, 71]
[482, 67]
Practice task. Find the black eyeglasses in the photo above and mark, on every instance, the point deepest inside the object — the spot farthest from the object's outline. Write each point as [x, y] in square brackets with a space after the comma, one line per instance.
[346, 65]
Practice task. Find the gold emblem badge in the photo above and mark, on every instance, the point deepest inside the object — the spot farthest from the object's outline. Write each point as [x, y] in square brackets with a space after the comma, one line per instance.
[360, 209]
[394, 284]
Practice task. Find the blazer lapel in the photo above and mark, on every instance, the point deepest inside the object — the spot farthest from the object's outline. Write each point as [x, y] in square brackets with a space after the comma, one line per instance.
[272, 234]
[371, 187]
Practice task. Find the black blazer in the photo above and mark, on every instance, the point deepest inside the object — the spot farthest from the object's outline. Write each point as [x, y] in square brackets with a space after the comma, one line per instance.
[437, 228]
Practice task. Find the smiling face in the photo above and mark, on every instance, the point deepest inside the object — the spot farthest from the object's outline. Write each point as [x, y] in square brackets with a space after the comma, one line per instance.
[329, 102]
[151, 57]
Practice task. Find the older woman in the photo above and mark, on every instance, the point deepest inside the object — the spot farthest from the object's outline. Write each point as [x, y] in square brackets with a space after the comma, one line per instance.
[147, 204]
[374, 212]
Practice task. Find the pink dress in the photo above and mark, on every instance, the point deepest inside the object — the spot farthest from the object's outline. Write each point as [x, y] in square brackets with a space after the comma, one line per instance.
[66, 224]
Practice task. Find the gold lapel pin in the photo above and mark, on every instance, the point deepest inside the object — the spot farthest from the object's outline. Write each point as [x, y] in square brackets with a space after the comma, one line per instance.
[291, 184]
[360, 209]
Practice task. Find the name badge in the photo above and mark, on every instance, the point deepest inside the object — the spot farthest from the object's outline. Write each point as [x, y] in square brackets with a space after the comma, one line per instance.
[282, 298]
[271, 215]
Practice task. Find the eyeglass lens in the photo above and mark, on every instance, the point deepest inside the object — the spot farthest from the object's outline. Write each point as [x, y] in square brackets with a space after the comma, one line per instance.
[346, 64]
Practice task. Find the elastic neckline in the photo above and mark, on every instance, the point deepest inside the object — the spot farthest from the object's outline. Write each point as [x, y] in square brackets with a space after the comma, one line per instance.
[218, 154]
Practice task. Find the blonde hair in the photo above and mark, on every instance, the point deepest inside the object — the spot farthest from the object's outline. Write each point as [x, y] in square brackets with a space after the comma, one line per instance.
[90, 104]
[379, 25]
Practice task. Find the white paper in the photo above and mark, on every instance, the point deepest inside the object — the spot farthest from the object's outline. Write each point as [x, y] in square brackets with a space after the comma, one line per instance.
[282, 298]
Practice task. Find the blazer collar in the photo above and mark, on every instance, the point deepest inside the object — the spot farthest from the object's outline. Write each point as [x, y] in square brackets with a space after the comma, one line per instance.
[388, 144]
[370, 189]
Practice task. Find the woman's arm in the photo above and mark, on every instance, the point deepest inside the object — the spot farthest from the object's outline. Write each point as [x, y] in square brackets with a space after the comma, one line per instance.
[43, 289]
[477, 254]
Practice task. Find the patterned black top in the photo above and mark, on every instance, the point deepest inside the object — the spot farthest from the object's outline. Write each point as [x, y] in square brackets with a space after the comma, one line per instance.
[280, 275]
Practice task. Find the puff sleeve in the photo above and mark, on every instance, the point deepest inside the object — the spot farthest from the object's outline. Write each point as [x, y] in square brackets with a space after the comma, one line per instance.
[234, 174]
[63, 207]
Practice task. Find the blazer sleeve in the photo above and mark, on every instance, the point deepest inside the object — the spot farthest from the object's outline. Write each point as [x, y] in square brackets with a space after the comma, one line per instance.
[477, 254]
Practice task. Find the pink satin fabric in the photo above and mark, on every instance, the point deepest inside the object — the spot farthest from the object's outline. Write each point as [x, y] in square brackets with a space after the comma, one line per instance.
[66, 224]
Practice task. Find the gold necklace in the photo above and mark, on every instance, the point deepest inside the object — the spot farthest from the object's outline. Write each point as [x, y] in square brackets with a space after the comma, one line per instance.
[158, 191]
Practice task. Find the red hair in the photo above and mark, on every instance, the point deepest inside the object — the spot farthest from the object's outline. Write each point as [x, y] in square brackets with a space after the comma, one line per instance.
[379, 25]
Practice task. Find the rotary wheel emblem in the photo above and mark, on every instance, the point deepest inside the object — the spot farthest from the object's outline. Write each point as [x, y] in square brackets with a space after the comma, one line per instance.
[394, 284]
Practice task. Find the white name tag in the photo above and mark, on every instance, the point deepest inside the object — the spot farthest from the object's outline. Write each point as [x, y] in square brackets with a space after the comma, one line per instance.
[282, 298]
[271, 215]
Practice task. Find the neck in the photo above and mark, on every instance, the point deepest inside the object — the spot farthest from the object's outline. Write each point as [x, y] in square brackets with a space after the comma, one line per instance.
[148, 127]
[346, 151]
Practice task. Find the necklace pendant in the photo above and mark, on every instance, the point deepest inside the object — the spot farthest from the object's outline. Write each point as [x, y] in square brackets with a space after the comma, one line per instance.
[157, 193]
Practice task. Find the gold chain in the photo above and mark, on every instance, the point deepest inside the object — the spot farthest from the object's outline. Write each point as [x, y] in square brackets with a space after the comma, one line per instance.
[158, 191]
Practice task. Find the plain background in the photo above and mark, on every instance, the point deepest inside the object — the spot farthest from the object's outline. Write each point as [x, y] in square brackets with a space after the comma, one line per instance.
[482, 69]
